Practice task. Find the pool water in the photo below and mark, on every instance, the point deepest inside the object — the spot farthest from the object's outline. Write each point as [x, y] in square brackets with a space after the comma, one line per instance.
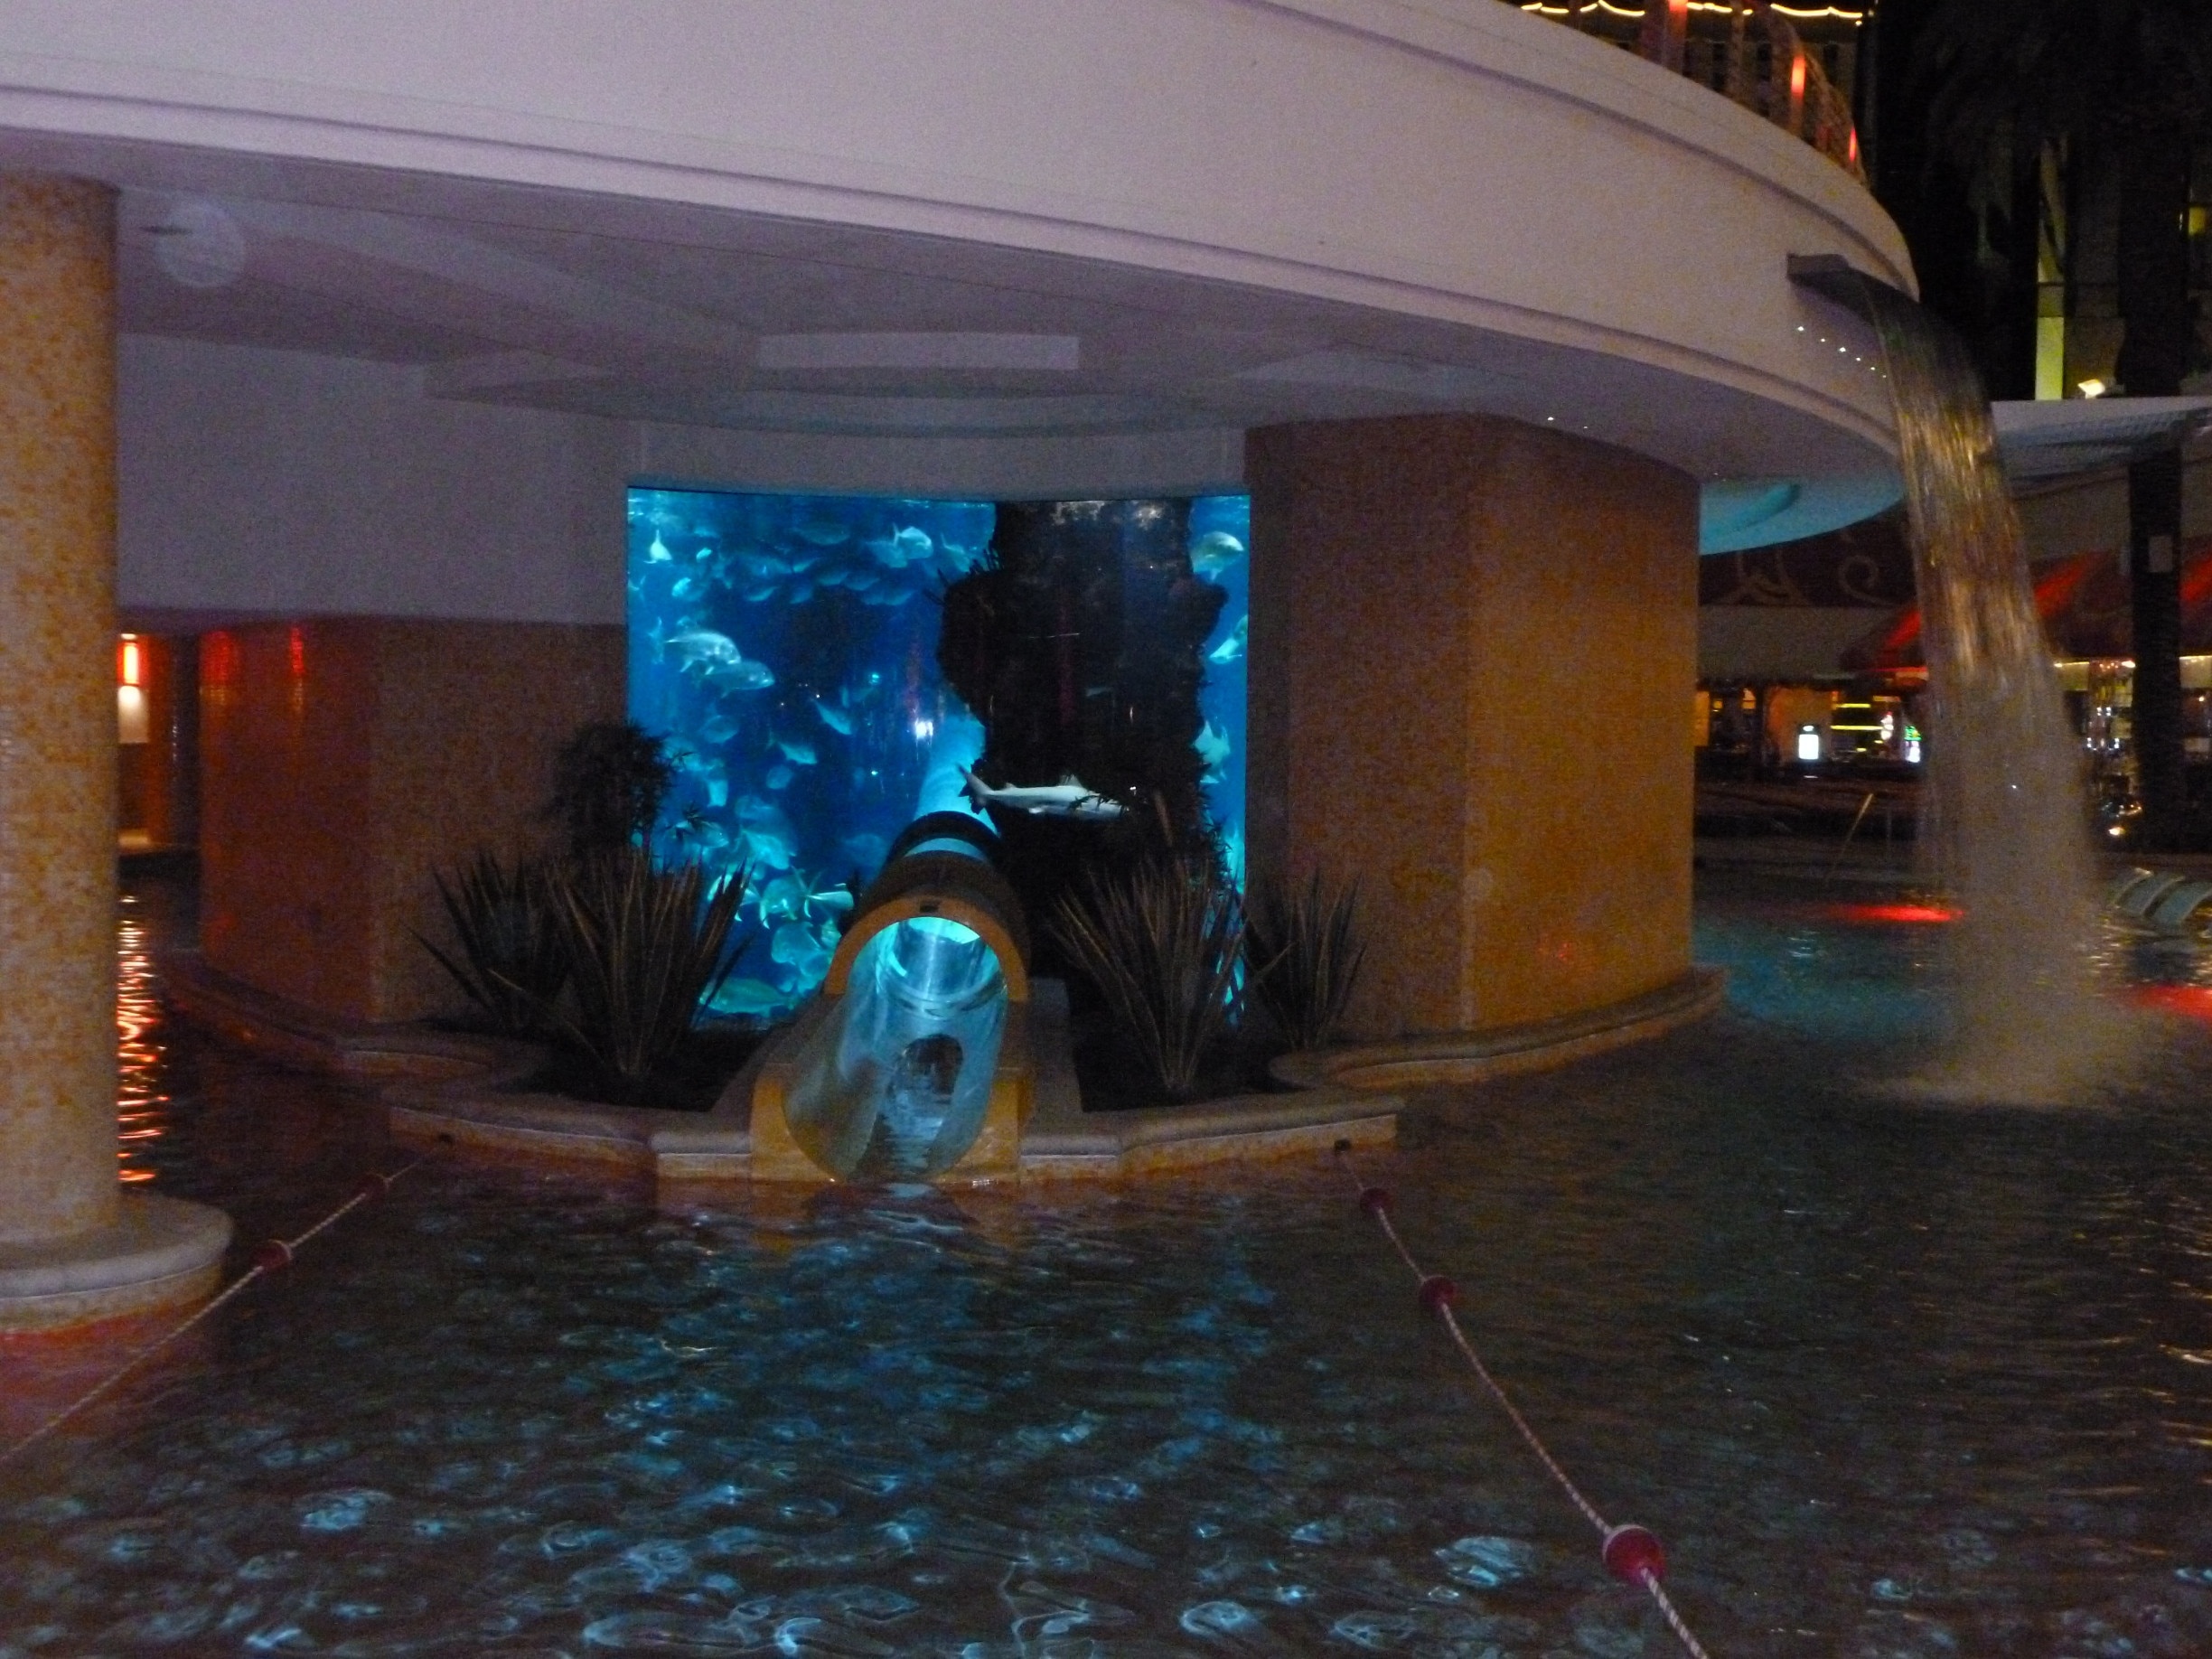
[1889, 1380]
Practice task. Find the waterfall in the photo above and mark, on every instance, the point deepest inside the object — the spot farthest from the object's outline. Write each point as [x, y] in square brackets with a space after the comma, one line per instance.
[2005, 821]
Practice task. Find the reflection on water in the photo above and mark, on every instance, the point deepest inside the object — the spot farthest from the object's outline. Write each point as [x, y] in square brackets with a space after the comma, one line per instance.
[141, 1101]
[1889, 1381]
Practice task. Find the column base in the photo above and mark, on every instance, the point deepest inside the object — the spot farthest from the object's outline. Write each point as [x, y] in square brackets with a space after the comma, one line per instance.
[163, 1253]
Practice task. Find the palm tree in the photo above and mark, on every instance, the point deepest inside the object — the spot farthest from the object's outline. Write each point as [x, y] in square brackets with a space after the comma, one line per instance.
[2123, 85]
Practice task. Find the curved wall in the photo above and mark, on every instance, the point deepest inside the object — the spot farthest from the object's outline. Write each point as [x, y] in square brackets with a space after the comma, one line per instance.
[1459, 162]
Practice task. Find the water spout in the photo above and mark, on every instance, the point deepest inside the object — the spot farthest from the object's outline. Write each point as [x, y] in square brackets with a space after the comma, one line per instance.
[2005, 821]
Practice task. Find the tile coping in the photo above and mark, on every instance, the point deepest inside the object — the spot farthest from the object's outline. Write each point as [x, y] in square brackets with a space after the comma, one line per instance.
[438, 1084]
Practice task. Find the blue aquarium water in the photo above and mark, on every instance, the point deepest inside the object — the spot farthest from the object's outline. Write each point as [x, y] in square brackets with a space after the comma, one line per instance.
[787, 646]
[1220, 537]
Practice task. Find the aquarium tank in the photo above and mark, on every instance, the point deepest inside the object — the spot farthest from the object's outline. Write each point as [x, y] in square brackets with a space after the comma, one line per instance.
[1220, 534]
[786, 646]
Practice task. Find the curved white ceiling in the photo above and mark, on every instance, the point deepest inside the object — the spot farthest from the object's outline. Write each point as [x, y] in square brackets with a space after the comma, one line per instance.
[978, 217]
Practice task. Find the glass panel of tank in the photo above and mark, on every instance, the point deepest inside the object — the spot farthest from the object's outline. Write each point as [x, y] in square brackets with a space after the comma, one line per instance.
[1220, 534]
[787, 645]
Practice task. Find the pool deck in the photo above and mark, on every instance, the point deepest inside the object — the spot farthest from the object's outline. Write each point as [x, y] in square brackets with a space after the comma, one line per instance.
[451, 1088]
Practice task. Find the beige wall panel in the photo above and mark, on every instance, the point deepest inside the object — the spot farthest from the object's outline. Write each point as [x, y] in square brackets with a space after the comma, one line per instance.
[1471, 641]
[340, 774]
[473, 714]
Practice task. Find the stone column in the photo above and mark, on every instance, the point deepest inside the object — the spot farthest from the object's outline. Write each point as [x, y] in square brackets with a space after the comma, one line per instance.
[72, 1248]
[1471, 643]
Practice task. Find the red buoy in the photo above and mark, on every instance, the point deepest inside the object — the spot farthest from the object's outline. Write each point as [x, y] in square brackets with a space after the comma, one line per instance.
[1375, 1200]
[371, 1187]
[1633, 1555]
[273, 1257]
[1438, 1293]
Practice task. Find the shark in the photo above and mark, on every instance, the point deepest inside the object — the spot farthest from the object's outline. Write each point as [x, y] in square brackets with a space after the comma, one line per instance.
[1069, 798]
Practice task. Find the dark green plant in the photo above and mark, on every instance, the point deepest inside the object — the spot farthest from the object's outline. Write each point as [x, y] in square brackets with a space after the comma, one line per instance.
[608, 782]
[1162, 940]
[1305, 953]
[511, 962]
[646, 947]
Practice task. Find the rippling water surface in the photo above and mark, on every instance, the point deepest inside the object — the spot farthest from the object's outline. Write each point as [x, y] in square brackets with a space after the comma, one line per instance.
[1889, 1380]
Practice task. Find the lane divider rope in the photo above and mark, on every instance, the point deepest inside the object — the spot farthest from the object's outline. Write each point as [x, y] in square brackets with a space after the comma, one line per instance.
[272, 1256]
[1630, 1552]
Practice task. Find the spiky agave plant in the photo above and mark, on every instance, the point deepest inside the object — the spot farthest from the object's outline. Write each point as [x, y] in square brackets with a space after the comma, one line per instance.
[646, 947]
[1163, 940]
[511, 962]
[1305, 952]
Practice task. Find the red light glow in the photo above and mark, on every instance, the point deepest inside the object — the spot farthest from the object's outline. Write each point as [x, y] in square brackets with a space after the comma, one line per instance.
[1910, 915]
[2190, 1001]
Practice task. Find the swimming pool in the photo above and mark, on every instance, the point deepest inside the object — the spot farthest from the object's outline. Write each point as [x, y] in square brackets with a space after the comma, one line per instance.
[1889, 1381]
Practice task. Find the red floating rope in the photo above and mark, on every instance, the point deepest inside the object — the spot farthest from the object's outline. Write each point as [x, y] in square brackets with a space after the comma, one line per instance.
[1631, 1553]
[270, 1257]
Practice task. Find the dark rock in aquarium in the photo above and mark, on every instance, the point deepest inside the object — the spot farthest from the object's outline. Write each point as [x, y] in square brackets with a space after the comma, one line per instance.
[1078, 646]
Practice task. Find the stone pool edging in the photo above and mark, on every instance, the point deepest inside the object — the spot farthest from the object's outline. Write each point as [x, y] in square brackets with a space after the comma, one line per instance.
[160, 1253]
[1476, 1057]
[439, 1086]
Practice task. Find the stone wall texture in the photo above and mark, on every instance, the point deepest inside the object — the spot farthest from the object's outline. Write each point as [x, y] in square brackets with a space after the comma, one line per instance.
[1472, 640]
[344, 760]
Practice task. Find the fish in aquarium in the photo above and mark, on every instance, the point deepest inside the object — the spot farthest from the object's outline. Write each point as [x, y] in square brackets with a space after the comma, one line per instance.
[836, 719]
[1231, 648]
[1215, 552]
[753, 998]
[866, 850]
[779, 777]
[1213, 745]
[745, 676]
[1069, 798]
[797, 751]
[797, 946]
[708, 651]
[904, 546]
[782, 898]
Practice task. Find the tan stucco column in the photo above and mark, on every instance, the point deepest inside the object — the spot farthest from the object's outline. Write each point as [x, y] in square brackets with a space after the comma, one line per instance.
[1471, 643]
[71, 1248]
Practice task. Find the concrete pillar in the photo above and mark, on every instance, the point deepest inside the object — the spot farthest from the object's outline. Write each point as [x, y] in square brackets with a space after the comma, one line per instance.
[72, 1247]
[1471, 643]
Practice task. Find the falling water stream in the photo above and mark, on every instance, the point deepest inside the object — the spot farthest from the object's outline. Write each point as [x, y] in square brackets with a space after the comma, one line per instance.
[2006, 832]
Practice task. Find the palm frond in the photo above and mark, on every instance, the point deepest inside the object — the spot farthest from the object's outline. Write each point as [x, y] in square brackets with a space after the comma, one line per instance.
[1163, 941]
[646, 947]
[510, 961]
[1305, 952]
